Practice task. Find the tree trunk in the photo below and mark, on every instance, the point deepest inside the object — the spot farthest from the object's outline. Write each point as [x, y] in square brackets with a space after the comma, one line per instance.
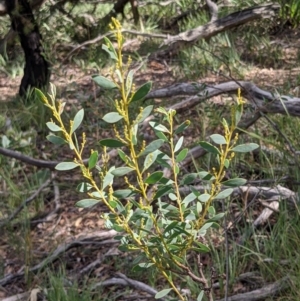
[36, 70]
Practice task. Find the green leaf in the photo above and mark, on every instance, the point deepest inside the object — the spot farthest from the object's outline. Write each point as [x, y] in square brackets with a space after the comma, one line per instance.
[108, 178]
[205, 227]
[204, 197]
[182, 127]
[189, 198]
[86, 203]
[158, 127]
[188, 178]
[182, 155]
[145, 265]
[217, 216]
[201, 247]
[226, 163]
[142, 92]
[150, 159]
[162, 136]
[163, 159]
[206, 176]
[109, 48]
[218, 139]
[152, 146]
[200, 296]
[134, 130]
[145, 113]
[53, 127]
[111, 142]
[84, 187]
[154, 178]
[112, 117]
[178, 144]
[170, 227]
[199, 207]
[66, 166]
[162, 190]
[121, 171]
[162, 293]
[224, 194]
[122, 193]
[77, 120]
[235, 182]
[129, 80]
[209, 147]
[103, 82]
[238, 113]
[40, 95]
[245, 148]
[56, 140]
[93, 160]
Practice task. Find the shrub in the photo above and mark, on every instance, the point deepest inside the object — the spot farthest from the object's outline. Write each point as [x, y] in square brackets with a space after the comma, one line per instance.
[150, 214]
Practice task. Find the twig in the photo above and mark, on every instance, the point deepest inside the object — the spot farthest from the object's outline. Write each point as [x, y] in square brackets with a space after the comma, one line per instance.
[27, 201]
[26, 159]
[62, 248]
[125, 281]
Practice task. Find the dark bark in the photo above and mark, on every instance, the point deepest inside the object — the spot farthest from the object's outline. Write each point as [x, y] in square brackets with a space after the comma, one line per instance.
[36, 70]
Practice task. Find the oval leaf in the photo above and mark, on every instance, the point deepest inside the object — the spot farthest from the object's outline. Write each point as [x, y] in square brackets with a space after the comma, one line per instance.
[162, 293]
[77, 120]
[209, 147]
[153, 146]
[86, 203]
[56, 140]
[235, 182]
[218, 139]
[142, 92]
[53, 127]
[111, 142]
[93, 160]
[103, 82]
[178, 144]
[182, 155]
[245, 148]
[154, 178]
[121, 171]
[224, 194]
[204, 197]
[122, 193]
[112, 117]
[182, 127]
[159, 127]
[145, 113]
[66, 166]
[150, 159]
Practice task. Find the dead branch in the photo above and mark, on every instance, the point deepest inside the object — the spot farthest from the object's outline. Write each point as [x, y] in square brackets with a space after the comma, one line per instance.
[175, 43]
[125, 281]
[62, 248]
[262, 100]
[267, 291]
[27, 201]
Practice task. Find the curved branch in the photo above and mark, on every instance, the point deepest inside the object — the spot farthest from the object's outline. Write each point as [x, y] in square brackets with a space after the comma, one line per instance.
[263, 101]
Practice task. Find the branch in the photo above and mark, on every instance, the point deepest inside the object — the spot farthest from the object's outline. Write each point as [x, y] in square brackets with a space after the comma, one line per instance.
[62, 248]
[177, 42]
[260, 294]
[262, 100]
